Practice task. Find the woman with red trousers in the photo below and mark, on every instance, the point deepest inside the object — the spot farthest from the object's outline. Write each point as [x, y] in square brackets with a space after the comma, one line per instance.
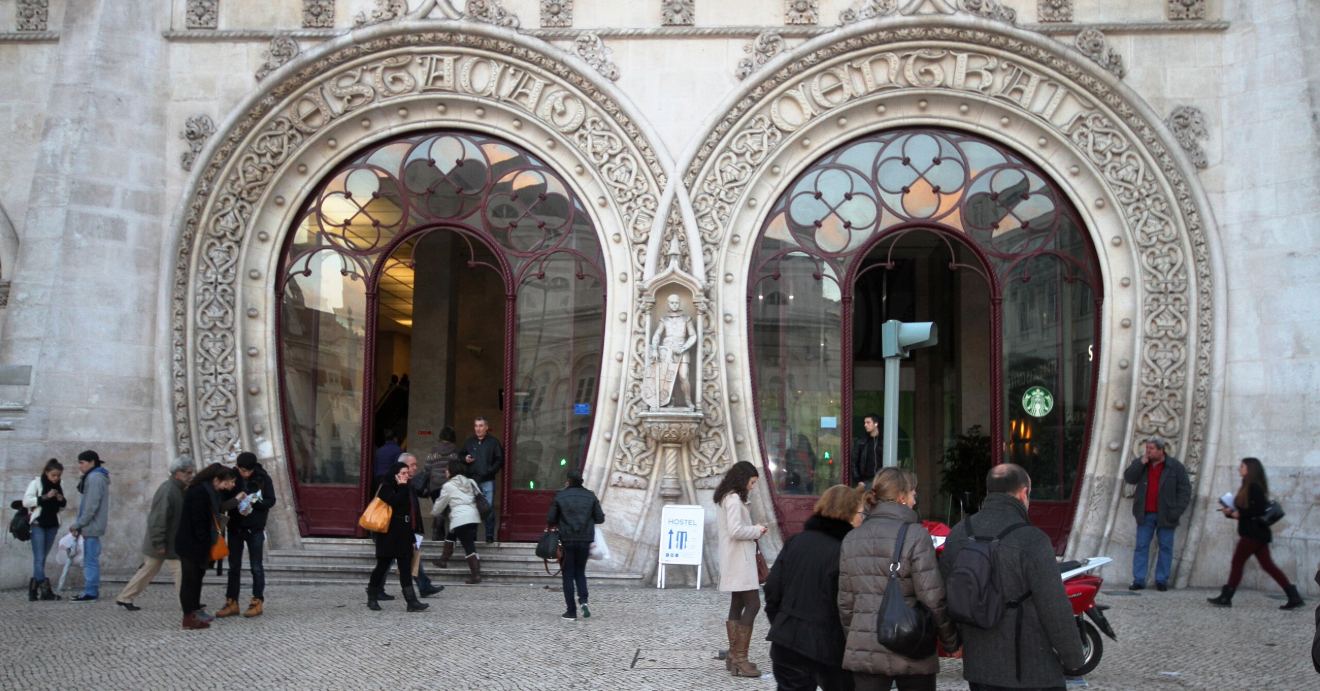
[1254, 537]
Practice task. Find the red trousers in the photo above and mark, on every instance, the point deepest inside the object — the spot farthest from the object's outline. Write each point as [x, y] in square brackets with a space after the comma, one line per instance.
[1246, 548]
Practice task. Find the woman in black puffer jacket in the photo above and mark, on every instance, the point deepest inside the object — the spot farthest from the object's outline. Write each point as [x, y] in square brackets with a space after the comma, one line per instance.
[1254, 537]
[399, 542]
[801, 598]
[199, 530]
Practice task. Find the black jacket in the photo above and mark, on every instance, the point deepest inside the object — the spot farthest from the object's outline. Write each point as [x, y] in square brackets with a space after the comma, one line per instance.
[198, 523]
[1248, 526]
[398, 542]
[488, 458]
[1050, 642]
[259, 481]
[1175, 491]
[866, 453]
[576, 511]
[802, 591]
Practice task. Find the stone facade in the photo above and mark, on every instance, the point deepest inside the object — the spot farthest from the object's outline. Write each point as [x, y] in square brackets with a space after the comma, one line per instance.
[140, 310]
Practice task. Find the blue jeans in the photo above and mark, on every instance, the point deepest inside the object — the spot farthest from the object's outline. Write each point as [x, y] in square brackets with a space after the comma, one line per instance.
[92, 566]
[488, 489]
[575, 573]
[42, 540]
[1141, 557]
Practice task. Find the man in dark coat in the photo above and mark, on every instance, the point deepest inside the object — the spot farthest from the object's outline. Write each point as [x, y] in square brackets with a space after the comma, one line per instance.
[1163, 493]
[248, 529]
[386, 455]
[485, 457]
[995, 659]
[162, 523]
[576, 512]
[867, 452]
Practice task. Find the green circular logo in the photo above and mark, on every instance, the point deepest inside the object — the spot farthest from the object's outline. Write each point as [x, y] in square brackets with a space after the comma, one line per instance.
[1037, 401]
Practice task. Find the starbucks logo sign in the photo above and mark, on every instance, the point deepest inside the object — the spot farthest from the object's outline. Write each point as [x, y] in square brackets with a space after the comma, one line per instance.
[1037, 401]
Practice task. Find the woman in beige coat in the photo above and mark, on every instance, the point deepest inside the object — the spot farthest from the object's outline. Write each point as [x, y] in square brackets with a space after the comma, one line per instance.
[738, 575]
[864, 574]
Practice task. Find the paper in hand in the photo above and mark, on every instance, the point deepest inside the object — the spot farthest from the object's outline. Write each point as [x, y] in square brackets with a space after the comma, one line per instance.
[1227, 500]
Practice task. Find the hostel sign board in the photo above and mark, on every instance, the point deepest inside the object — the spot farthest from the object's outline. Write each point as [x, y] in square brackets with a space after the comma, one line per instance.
[682, 532]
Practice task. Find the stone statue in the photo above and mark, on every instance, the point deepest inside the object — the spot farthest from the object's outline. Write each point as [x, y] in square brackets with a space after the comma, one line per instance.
[668, 356]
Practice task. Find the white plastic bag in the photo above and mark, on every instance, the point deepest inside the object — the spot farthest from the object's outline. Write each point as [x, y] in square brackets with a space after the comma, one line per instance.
[599, 550]
[71, 548]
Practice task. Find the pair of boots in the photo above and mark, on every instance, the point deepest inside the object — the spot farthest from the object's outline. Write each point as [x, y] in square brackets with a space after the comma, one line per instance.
[231, 608]
[191, 622]
[40, 590]
[409, 594]
[740, 638]
[1225, 598]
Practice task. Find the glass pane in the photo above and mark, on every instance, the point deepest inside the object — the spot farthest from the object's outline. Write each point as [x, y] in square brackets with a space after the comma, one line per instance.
[559, 327]
[323, 326]
[1049, 347]
[796, 323]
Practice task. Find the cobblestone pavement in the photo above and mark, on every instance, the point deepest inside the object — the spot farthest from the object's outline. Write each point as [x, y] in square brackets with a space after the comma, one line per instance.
[510, 637]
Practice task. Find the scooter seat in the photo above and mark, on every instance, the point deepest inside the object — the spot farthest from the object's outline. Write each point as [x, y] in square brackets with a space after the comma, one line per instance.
[1069, 566]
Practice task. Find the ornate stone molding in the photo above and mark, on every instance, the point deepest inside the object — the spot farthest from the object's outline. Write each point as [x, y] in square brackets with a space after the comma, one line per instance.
[491, 12]
[556, 13]
[1188, 126]
[32, 15]
[1054, 10]
[759, 52]
[196, 130]
[29, 37]
[384, 11]
[797, 12]
[202, 14]
[1182, 10]
[991, 9]
[1094, 45]
[867, 9]
[282, 49]
[318, 14]
[590, 48]
[678, 12]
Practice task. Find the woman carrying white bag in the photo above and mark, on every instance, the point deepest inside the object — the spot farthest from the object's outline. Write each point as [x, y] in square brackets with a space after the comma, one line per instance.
[576, 512]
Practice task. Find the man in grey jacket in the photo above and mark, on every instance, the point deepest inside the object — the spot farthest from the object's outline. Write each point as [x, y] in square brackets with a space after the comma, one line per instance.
[1163, 493]
[93, 513]
[1049, 643]
[162, 524]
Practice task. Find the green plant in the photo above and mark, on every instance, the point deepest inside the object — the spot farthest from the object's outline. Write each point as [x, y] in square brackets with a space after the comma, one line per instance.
[966, 463]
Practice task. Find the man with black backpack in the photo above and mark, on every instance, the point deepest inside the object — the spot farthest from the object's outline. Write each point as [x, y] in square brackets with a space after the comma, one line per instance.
[1004, 591]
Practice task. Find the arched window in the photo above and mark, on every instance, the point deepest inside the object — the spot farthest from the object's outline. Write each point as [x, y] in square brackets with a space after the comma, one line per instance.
[451, 275]
[925, 225]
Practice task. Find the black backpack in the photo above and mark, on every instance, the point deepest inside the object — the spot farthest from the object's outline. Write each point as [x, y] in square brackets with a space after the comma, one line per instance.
[20, 526]
[974, 593]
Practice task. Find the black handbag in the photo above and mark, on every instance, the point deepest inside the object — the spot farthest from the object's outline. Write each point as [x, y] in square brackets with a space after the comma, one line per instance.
[1273, 514]
[484, 509]
[548, 548]
[907, 631]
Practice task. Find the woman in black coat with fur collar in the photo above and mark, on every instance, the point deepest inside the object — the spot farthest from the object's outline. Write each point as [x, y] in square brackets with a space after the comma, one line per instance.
[801, 598]
[199, 529]
[399, 542]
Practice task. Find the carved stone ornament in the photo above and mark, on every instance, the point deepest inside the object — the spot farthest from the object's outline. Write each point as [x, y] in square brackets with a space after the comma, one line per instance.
[318, 14]
[798, 12]
[1165, 217]
[760, 51]
[196, 130]
[282, 49]
[491, 12]
[678, 12]
[32, 15]
[384, 11]
[4, 293]
[589, 47]
[202, 14]
[556, 13]
[1188, 125]
[867, 9]
[1094, 45]
[1050, 11]
[387, 67]
[991, 9]
[1179, 10]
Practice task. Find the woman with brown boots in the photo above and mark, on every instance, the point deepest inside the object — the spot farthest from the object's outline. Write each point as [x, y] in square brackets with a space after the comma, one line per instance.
[1254, 537]
[460, 497]
[738, 575]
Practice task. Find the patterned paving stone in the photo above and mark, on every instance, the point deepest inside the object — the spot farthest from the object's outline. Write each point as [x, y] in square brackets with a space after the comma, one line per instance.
[510, 638]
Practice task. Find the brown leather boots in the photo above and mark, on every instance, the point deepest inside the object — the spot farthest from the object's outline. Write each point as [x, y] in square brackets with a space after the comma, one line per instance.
[740, 638]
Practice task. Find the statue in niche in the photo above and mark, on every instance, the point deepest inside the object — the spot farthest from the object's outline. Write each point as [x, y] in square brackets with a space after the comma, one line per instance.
[668, 356]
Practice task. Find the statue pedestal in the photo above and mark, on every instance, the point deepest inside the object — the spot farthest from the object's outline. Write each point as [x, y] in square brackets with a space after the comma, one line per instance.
[672, 428]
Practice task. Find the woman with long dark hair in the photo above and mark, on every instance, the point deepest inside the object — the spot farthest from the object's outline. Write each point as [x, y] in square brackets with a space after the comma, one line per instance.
[198, 532]
[44, 498]
[737, 551]
[1254, 537]
[399, 541]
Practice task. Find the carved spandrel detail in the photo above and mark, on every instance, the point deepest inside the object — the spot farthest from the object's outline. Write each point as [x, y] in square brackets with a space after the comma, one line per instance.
[281, 50]
[384, 11]
[867, 9]
[760, 51]
[491, 12]
[32, 15]
[1054, 11]
[1188, 125]
[678, 12]
[202, 14]
[556, 13]
[1181, 10]
[196, 130]
[1094, 45]
[991, 9]
[801, 12]
[318, 14]
[591, 48]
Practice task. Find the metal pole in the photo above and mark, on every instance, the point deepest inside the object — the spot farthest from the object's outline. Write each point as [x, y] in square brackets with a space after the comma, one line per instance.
[891, 412]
